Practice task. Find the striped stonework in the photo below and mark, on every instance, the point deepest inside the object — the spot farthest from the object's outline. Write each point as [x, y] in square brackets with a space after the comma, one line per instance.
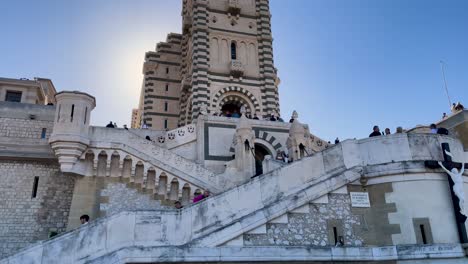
[270, 99]
[209, 73]
[200, 57]
[269, 138]
[231, 93]
[160, 96]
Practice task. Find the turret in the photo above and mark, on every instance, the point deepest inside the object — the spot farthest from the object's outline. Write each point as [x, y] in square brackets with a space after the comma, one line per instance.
[69, 137]
[297, 141]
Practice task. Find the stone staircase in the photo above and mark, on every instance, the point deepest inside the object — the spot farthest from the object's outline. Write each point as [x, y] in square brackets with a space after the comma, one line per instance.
[220, 220]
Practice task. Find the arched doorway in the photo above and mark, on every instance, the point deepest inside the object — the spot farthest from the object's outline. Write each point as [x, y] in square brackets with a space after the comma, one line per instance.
[260, 153]
[231, 107]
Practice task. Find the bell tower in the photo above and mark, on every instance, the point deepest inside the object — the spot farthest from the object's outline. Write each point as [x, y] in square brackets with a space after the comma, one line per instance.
[223, 60]
[229, 60]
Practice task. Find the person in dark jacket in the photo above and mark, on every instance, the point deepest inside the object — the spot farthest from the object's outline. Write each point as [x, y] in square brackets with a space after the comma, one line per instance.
[376, 132]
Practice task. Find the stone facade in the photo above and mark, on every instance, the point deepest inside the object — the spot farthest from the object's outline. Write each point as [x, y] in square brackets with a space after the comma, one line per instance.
[222, 60]
[38, 91]
[117, 197]
[313, 228]
[23, 128]
[26, 219]
[262, 207]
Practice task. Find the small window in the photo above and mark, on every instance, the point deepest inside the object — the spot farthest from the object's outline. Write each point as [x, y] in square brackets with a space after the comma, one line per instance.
[52, 233]
[233, 51]
[165, 123]
[58, 114]
[72, 112]
[335, 235]
[166, 106]
[167, 87]
[167, 70]
[13, 96]
[43, 133]
[423, 234]
[35, 185]
[85, 115]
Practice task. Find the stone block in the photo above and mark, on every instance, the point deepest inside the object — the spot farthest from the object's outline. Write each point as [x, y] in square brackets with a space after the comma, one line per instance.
[283, 219]
[259, 230]
[91, 239]
[61, 250]
[31, 255]
[392, 148]
[149, 226]
[120, 230]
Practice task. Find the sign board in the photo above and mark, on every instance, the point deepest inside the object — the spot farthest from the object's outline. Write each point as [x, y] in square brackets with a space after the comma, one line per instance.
[359, 199]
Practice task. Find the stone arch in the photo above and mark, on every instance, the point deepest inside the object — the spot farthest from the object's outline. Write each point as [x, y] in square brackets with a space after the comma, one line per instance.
[89, 161]
[224, 53]
[186, 194]
[139, 172]
[114, 164]
[214, 46]
[162, 184]
[102, 163]
[252, 58]
[235, 92]
[267, 139]
[151, 178]
[174, 190]
[236, 99]
[127, 166]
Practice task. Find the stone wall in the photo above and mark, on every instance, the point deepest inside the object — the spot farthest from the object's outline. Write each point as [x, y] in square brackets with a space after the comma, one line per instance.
[117, 197]
[314, 228]
[24, 219]
[24, 128]
[25, 120]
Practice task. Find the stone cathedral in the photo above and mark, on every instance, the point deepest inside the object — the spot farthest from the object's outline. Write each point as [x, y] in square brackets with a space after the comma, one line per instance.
[206, 175]
[222, 60]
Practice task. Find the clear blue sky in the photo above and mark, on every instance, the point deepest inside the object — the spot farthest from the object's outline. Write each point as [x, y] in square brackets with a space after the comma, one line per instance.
[344, 65]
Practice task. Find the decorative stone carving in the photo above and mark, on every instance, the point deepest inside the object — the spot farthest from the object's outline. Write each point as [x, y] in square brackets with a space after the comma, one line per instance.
[234, 8]
[298, 142]
[191, 129]
[181, 132]
[171, 136]
[237, 68]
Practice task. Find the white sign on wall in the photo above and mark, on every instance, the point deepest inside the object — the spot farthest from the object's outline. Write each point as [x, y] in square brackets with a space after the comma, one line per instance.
[359, 199]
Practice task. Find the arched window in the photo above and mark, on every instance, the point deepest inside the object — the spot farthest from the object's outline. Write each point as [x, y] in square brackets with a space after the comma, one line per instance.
[233, 51]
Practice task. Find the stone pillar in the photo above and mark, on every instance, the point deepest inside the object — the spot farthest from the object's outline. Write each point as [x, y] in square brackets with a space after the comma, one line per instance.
[244, 148]
[69, 137]
[297, 142]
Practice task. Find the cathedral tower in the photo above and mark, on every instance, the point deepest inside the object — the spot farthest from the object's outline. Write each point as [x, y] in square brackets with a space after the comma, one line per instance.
[222, 60]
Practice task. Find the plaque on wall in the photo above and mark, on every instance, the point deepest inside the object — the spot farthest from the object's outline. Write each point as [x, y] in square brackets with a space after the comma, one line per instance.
[359, 199]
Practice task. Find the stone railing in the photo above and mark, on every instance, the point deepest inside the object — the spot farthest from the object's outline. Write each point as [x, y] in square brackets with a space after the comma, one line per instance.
[222, 218]
[168, 139]
[178, 136]
[148, 152]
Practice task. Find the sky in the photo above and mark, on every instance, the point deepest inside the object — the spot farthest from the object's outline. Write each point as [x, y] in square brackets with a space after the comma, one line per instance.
[344, 65]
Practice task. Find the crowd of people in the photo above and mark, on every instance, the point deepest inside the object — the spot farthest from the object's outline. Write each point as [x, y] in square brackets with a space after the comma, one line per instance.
[236, 114]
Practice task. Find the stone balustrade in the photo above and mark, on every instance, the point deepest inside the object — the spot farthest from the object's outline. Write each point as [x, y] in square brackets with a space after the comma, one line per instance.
[143, 162]
[220, 219]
